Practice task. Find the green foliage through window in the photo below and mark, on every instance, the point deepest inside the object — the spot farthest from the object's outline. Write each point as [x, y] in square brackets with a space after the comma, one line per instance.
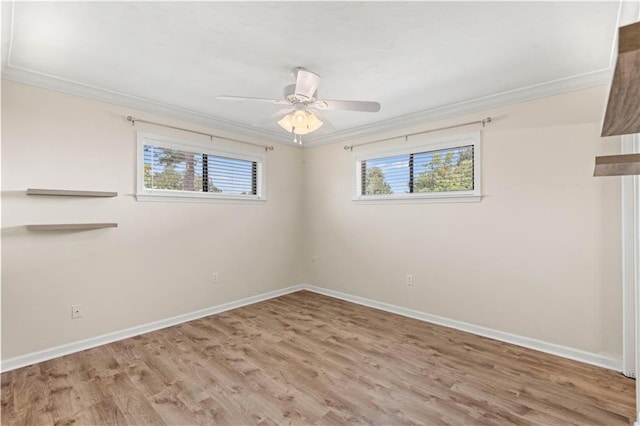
[375, 183]
[444, 170]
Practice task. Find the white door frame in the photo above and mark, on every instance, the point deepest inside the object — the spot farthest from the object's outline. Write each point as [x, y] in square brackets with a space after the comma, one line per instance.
[630, 263]
[628, 13]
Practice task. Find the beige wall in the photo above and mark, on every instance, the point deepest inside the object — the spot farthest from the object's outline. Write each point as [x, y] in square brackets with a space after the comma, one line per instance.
[539, 256]
[158, 262]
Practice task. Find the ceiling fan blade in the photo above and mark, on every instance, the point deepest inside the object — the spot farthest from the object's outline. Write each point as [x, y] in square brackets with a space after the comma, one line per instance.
[248, 98]
[364, 106]
[306, 83]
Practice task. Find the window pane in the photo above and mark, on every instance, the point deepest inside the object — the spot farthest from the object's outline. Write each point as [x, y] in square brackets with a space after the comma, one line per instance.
[387, 175]
[444, 170]
[232, 176]
[178, 170]
[172, 169]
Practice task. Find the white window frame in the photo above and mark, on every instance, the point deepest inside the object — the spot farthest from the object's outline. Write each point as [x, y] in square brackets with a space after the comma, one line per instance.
[418, 144]
[145, 194]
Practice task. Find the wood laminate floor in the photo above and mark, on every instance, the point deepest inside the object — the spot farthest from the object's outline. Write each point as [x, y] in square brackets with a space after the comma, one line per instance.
[309, 359]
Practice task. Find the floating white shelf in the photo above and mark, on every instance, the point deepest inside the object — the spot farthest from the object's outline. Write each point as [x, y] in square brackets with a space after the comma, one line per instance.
[71, 193]
[71, 226]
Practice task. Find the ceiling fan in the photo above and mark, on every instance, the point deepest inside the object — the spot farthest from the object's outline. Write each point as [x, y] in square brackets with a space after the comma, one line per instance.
[303, 113]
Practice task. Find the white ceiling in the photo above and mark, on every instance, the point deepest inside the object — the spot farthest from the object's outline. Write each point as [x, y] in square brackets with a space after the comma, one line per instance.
[416, 58]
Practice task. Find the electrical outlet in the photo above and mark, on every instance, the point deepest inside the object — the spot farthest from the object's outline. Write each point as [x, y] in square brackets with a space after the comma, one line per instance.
[76, 311]
[214, 278]
[409, 279]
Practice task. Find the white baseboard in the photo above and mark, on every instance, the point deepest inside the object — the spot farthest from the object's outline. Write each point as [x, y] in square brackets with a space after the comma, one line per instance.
[538, 345]
[81, 345]
[551, 348]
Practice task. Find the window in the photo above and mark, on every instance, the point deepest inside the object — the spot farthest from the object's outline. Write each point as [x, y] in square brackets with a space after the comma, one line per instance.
[444, 169]
[187, 171]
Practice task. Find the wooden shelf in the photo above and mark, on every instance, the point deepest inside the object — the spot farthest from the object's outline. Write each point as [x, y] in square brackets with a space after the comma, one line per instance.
[71, 226]
[70, 193]
[617, 165]
[623, 109]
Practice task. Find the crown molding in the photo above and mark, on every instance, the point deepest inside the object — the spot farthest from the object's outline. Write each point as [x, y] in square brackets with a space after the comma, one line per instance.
[555, 87]
[34, 78]
[550, 88]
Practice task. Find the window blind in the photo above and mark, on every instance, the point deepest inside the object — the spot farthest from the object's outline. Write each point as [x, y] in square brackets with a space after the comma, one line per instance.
[437, 171]
[179, 170]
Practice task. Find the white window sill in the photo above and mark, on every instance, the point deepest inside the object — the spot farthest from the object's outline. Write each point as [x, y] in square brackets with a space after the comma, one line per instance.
[189, 198]
[402, 199]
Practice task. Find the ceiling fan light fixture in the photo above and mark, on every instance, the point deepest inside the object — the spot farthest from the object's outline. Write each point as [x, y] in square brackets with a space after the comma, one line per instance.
[314, 123]
[300, 118]
[300, 122]
[286, 123]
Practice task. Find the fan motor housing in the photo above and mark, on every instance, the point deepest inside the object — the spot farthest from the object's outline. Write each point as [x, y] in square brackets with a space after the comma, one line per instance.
[289, 93]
